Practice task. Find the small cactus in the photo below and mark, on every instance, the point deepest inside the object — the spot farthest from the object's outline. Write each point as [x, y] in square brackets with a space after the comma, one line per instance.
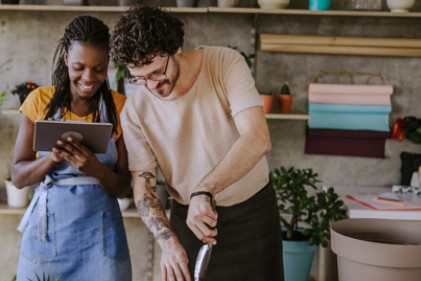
[285, 89]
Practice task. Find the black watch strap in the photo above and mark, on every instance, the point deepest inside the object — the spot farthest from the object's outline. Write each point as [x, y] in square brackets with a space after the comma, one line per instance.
[197, 193]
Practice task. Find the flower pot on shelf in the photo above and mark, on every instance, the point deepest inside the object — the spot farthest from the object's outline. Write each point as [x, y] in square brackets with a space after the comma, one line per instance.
[298, 258]
[16, 198]
[187, 3]
[267, 102]
[319, 5]
[273, 4]
[377, 249]
[400, 6]
[285, 102]
[228, 3]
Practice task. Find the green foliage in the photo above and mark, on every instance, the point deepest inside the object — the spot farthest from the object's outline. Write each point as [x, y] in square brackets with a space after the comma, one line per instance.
[247, 57]
[46, 278]
[267, 93]
[1, 98]
[122, 72]
[23, 89]
[285, 89]
[316, 211]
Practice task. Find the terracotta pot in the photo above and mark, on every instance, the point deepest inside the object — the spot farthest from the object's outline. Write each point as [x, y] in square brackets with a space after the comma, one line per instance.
[377, 249]
[267, 103]
[285, 102]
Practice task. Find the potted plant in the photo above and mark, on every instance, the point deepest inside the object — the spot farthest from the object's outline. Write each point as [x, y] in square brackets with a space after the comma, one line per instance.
[121, 77]
[23, 89]
[285, 99]
[267, 101]
[305, 216]
[247, 57]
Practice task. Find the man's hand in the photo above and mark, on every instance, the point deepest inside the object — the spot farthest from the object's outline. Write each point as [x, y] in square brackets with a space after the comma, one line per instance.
[174, 262]
[202, 219]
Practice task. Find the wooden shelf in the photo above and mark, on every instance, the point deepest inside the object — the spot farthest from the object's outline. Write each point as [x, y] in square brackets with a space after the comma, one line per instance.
[288, 116]
[10, 111]
[201, 10]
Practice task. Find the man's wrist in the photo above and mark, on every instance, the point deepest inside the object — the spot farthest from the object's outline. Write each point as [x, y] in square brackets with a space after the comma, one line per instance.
[197, 193]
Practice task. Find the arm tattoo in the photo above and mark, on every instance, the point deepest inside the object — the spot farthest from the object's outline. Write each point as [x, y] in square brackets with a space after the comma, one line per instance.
[152, 212]
[148, 176]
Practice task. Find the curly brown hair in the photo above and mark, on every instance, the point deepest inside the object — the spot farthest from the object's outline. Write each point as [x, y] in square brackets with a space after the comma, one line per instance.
[143, 32]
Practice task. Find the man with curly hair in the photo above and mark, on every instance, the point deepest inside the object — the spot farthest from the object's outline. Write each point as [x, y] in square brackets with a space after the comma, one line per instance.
[198, 117]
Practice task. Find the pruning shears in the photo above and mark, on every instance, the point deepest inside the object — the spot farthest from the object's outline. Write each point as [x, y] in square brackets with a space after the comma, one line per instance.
[204, 255]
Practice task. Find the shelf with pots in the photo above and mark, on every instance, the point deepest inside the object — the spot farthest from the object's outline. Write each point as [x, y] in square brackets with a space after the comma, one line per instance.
[202, 10]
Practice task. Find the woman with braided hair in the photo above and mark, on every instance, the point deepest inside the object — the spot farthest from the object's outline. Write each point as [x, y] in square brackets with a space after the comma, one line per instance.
[73, 227]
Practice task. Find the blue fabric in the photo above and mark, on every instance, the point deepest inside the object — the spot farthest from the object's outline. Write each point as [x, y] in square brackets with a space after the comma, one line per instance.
[349, 117]
[74, 230]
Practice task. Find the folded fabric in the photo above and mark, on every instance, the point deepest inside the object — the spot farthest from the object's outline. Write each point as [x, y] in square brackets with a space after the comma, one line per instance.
[349, 117]
[346, 142]
[350, 94]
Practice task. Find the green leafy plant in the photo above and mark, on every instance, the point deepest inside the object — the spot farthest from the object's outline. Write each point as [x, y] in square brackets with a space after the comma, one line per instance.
[296, 205]
[285, 89]
[23, 89]
[1, 98]
[46, 278]
[267, 93]
[248, 57]
[122, 72]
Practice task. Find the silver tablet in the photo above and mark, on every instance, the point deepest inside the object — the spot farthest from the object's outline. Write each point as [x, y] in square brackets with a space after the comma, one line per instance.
[93, 135]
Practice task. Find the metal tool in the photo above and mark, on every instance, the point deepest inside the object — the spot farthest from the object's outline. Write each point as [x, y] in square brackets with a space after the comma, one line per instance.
[204, 255]
[202, 262]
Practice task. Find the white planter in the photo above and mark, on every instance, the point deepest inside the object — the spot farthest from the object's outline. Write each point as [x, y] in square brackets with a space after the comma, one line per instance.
[124, 203]
[228, 3]
[400, 6]
[377, 249]
[16, 198]
[273, 4]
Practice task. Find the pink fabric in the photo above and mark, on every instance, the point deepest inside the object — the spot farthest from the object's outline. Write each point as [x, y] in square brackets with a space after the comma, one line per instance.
[350, 94]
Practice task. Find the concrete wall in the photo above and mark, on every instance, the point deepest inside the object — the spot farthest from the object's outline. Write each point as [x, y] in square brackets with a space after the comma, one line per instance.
[28, 40]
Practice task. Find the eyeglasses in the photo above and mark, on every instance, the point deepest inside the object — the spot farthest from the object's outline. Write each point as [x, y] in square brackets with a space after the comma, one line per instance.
[152, 77]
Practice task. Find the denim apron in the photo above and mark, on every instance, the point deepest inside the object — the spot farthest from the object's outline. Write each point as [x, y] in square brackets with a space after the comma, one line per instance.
[72, 228]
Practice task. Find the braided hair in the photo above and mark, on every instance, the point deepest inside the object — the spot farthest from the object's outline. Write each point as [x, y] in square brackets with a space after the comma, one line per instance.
[89, 30]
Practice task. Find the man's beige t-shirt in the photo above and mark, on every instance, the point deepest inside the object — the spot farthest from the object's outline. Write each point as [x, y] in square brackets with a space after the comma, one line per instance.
[189, 136]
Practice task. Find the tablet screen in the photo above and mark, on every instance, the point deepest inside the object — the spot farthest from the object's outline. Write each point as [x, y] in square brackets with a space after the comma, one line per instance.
[95, 136]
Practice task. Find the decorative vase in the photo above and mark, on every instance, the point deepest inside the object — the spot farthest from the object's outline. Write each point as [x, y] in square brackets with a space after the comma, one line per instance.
[319, 5]
[273, 4]
[267, 103]
[400, 6]
[377, 249]
[16, 198]
[187, 3]
[285, 102]
[228, 3]
[124, 203]
[298, 257]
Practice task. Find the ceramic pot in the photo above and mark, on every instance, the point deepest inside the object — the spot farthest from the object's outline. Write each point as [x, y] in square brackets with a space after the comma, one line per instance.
[319, 5]
[267, 103]
[228, 3]
[285, 102]
[400, 6]
[273, 4]
[187, 3]
[298, 257]
[16, 198]
[377, 249]
[124, 203]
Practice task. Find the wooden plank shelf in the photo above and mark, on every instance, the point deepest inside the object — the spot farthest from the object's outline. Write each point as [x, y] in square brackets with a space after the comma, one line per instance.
[288, 116]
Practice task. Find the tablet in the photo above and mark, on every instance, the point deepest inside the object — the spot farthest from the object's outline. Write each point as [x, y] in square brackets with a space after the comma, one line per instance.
[93, 135]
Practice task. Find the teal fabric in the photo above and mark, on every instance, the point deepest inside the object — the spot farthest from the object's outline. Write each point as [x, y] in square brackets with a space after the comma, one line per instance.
[349, 117]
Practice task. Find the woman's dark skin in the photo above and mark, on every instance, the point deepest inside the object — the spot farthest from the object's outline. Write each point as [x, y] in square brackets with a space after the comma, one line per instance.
[87, 66]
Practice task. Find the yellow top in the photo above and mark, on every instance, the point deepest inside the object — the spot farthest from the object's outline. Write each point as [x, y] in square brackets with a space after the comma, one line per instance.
[36, 102]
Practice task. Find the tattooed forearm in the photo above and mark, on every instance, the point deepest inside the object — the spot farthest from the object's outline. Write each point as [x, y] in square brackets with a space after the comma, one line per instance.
[148, 176]
[153, 214]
